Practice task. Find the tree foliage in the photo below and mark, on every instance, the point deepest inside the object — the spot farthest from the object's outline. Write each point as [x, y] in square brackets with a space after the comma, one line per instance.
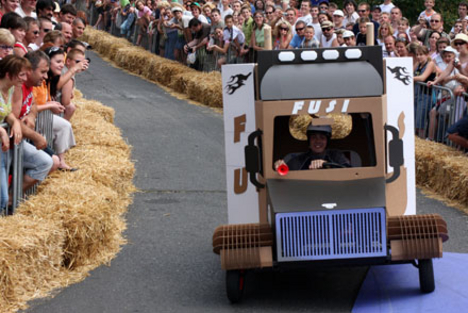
[412, 8]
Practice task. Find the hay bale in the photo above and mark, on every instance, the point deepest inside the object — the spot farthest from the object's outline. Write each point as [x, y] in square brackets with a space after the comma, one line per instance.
[202, 87]
[75, 221]
[30, 259]
[107, 113]
[442, 169]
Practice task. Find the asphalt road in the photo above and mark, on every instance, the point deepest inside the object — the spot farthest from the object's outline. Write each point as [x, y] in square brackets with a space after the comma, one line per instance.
[169, 266]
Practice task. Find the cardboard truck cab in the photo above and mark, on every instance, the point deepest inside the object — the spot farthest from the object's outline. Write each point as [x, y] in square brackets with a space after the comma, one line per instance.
[359, 214]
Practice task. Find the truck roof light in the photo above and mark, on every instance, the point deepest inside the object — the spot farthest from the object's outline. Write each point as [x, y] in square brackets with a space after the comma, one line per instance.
[309, 55]
[331, 54]
[287, 56]
[353, 54]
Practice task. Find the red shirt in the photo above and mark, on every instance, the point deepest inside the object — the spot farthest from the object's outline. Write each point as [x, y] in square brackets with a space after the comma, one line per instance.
[27, 100]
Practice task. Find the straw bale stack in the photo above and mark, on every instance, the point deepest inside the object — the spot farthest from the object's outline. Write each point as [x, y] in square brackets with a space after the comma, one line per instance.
[30, 259]
[442, 169]
[75, 221]
[198, 86]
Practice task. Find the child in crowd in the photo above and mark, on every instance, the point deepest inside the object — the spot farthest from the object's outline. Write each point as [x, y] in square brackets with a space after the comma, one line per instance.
[309, 38]
[429, 11]
[458, 28]
[65, 95]
[233, 39]
[403, 27]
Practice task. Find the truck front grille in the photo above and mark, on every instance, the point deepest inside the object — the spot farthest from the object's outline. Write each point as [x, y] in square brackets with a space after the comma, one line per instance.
[343, 234]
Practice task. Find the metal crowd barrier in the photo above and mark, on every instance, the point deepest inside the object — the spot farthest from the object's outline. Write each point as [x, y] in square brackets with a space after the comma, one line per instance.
[44, 126]
[14, 166]
[436, 108]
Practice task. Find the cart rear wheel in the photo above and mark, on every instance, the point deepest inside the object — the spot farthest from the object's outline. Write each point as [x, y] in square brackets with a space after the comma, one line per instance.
[235, 285]
[426, 275]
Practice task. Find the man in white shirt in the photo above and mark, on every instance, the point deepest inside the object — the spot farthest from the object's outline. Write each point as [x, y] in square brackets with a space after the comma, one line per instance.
[387, 6]
[226, 10]
[305, 12]
[27, 8]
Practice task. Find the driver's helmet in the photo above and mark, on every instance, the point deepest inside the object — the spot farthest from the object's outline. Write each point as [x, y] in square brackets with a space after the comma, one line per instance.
[324, 129]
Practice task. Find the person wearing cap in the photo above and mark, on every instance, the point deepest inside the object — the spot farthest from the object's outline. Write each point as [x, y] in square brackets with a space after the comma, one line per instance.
[387, 6]
[328, 38]
[317, 157]
[441, 44]
[338, 18]
[375, 13]
[349, 38]
[460, 44]
[177, 23]
[196, 12]
[323, 6]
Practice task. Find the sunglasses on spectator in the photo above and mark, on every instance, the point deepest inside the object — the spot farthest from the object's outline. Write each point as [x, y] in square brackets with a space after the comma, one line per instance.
[271, 12]
[36, 32]
[46, 30]
[284, 28]
[401, 39]
[299, 29]
[326, 29]
[459, 43]
[6, 47]
[435, 21]
[362, 11]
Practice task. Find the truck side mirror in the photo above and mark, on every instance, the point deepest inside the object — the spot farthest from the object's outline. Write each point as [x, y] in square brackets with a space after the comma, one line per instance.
[395, 152]
[252, 159]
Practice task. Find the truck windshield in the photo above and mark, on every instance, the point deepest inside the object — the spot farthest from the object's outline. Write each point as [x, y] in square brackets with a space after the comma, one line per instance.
[354, 142]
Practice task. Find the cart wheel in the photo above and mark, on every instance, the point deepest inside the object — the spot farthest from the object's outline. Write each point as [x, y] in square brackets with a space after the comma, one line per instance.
[235, 285]
[426, 275]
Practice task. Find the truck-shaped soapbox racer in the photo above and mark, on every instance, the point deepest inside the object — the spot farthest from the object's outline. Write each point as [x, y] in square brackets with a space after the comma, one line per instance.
[358, 212]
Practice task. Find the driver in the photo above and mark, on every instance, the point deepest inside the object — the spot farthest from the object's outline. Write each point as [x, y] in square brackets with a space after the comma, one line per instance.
[318, 154]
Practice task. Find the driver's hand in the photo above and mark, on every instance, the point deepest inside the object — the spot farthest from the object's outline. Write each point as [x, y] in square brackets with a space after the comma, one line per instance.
[315, 164]
[278, 164]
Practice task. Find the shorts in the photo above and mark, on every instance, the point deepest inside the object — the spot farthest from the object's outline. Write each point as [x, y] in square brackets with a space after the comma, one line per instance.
[460, 127]
[36, 163]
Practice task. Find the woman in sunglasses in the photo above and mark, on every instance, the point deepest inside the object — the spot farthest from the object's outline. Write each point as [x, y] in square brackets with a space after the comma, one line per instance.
[283, 35]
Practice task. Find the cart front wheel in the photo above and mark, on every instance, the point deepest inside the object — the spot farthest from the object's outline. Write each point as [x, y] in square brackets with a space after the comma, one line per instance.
[426, 275]
[235, 285]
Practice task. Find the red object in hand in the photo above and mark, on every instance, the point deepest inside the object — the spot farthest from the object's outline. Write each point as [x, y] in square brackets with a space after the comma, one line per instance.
[283, 169]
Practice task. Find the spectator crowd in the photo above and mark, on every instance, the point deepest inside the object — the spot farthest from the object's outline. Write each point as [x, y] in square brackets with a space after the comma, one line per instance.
[39, 58]
[40, 54]
[207, 34]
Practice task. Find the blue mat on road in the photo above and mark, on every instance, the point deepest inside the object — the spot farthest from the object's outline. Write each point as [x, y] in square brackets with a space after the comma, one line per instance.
[395, 288]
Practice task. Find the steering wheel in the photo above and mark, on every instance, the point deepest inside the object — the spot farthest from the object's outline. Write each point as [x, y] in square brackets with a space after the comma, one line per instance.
[332, 165]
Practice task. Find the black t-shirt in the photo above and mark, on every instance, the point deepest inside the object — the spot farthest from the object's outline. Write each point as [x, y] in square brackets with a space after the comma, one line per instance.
[301, 161]
[204, 32]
